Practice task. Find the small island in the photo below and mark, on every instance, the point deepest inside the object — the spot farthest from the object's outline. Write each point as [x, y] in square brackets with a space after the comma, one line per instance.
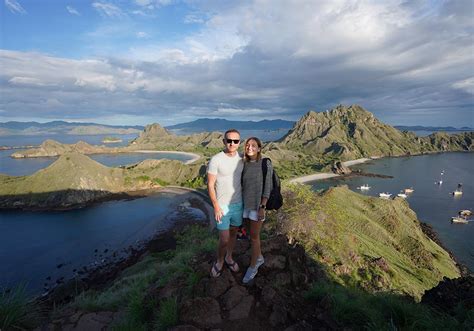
[111, 140]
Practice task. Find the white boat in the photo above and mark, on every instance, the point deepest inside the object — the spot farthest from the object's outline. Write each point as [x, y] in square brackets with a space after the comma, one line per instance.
[439, 182]
[385, 195]
[458, 219]
[402, 195]
[458, 191]
[364, 187]
[465, 213]
[409, 190]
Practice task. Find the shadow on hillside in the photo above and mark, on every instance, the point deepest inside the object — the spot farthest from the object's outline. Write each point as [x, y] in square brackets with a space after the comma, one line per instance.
[448, 305]
[62, 200]
[74, 199]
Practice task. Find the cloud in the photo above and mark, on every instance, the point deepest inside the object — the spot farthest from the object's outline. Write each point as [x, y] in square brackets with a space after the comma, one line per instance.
[249, 60]
[142, 34]
[72, 10]
[108, 10]
[466, 85]
[194, 19]
[28, 81]
[14, 6]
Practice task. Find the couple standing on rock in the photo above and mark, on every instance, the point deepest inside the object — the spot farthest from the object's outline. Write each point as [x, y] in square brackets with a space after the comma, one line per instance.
[238, 191]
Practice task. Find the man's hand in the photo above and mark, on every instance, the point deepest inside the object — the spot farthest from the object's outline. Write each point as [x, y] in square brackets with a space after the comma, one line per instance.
[218, 213]
[211, 182]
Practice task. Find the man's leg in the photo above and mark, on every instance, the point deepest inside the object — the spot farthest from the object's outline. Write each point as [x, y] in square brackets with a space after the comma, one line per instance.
[223, 228]
[224, 242]
[232, 238]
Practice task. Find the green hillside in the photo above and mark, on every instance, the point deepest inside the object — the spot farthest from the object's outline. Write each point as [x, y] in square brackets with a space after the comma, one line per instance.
[351, 132]
[367, 242]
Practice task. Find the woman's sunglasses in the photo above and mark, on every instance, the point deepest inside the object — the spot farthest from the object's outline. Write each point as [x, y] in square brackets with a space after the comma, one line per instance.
[235, 141]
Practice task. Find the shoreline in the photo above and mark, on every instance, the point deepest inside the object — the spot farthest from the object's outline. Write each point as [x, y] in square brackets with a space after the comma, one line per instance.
[126, 195]
[194, 156]
[97, 277]
[325, 175]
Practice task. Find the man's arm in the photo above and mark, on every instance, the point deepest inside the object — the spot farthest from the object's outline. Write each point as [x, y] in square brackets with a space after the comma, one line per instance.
[211, 189]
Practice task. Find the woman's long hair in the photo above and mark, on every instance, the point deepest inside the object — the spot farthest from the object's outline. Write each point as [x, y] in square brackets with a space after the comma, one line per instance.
[259, 153]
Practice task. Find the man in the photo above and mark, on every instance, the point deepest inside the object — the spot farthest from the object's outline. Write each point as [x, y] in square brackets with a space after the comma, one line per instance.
[225, 190]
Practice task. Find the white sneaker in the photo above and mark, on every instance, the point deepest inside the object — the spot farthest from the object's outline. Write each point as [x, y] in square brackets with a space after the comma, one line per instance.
[250, 274]
[260, 261]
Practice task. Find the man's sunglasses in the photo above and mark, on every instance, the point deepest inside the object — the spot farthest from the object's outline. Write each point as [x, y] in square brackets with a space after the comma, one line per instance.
[235, 141]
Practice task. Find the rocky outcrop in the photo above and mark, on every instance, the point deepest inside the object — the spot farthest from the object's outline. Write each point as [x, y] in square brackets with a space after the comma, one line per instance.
[50, 148]
[152, 133]
[451, 294]
[351, 132]
[273, 301]
[340, 169]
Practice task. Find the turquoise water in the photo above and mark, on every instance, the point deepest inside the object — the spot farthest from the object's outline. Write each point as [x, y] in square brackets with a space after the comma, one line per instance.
[434, 204]
[39, 248]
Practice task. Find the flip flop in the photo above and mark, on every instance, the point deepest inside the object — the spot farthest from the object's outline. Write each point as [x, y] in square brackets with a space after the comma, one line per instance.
[216, 272]
[233, 266]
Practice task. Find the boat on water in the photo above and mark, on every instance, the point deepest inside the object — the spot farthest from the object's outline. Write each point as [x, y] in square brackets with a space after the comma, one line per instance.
[402, 195]
[409, 190]
[465, 213]
[458, 191]
[385, 195]
[439, 182]
[364, 187]
[459, 219]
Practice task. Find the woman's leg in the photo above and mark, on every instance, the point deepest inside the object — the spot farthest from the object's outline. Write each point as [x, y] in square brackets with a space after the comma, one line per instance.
[255, 227]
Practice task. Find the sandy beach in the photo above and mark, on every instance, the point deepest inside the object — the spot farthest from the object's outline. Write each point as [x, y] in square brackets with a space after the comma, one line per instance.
[194, 156]
[325, 175]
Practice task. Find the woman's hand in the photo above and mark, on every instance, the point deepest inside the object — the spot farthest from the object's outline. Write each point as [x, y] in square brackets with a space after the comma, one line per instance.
[261, 214]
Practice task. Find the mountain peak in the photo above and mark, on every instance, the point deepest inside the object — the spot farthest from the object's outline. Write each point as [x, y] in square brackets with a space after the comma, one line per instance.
[345, 131]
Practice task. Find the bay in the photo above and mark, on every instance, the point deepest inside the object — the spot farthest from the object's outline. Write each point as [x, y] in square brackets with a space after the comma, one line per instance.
[42, 248]
[434, 204]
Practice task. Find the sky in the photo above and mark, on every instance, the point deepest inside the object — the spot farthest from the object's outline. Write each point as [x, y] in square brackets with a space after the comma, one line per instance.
[135, 62]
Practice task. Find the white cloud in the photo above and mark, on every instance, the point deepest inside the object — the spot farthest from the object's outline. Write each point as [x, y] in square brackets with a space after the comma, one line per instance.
[27, 81]
[142, 35]
[14, 6]
[108, 10]
[72, 11]
[265, 60]
[465, 85]
[194, 19]
[143, 2]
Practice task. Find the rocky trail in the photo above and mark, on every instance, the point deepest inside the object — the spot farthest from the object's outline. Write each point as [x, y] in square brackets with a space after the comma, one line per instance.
[273, 301]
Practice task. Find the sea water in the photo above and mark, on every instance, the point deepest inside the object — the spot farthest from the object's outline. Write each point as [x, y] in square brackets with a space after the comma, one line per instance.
[433, 203]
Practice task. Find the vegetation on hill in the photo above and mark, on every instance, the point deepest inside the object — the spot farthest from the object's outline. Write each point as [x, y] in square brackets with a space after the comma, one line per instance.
[75, 179]
[365, 242]
[295, 287]
[351, 132]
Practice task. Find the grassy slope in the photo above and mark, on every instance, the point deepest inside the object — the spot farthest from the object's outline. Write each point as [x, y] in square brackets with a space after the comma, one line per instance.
[70, 171]
[351, 132]
[349, 232]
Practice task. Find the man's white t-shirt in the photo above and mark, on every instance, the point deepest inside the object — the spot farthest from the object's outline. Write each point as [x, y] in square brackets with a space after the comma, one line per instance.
[228, 171]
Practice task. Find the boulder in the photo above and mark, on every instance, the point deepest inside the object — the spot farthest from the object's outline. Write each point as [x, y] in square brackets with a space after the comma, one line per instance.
[202, 312]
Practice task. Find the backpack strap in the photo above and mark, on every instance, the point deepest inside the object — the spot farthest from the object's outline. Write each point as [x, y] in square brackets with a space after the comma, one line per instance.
[265, 161]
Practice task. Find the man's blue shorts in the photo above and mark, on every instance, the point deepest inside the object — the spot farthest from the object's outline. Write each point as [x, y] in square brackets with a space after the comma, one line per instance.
[232, 216]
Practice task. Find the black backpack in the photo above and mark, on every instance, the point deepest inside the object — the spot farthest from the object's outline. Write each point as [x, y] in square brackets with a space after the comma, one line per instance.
[275, 201]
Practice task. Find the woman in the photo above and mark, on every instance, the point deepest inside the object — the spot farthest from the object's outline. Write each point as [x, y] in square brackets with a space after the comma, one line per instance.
[255, 193]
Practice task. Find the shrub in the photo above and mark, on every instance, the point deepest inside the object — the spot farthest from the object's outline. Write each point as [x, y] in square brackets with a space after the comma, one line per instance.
[16, 311]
